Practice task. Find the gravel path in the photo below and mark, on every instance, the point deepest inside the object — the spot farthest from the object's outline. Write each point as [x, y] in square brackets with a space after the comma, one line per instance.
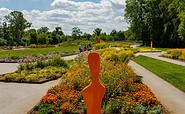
[19, 98]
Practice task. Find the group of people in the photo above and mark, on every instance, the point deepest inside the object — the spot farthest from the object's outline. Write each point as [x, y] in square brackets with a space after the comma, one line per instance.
[85, 48]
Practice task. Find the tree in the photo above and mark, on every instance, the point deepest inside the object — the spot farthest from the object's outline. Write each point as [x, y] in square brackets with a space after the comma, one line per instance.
[56, 35]
[135, 10]
[17, 24]
[43, 30]
[6, 34]
[30, 37]
[43, 38]
[97, 31]
[86, 36]
[113, 32]
[178, 7]
[59, 31]
[76, 33]
[119, 36]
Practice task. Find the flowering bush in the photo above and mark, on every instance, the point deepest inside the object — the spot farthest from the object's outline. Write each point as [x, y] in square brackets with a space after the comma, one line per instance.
[116, 55]
[175, 54]
[106, 45]
[125, 93]
[101, 46]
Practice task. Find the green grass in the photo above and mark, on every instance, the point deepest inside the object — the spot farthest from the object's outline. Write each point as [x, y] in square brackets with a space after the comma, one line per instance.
[172, 73]
[21, 53]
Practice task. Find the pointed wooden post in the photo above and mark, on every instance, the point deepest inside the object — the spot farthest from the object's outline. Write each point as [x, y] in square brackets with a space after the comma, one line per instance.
[95, 91]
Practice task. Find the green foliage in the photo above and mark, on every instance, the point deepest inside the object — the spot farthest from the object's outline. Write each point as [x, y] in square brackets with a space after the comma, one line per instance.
[39, 64]
[17, 24]
[76, 33]
[42, 30]
[57, 62]
[160, 21]
[2, 42]
[46, 109]
[155, 110]
[176, 55]
[43, 38]
[113, 106]
[97, 31]
[54, 61]
[36, 74]
[140, 109]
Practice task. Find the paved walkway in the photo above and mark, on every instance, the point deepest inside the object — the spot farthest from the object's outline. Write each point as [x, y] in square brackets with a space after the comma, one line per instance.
[19, 98]
[8, 67]
[172, 98]
[157, 55]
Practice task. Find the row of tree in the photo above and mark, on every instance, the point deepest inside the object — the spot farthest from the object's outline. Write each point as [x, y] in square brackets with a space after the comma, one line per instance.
[15, 30]
[160, 21]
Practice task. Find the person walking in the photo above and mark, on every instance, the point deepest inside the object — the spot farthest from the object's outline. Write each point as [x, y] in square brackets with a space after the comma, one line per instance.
[81, 49]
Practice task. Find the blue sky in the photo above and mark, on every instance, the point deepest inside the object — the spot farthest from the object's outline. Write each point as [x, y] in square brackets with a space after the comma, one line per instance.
[27, 4]
[85, 14]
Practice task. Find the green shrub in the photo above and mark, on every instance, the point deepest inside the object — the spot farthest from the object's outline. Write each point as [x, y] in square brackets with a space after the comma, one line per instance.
[57, 62]
[175, 55]
[14, 57]
[21, 66]
[40, 64]
[29, 66]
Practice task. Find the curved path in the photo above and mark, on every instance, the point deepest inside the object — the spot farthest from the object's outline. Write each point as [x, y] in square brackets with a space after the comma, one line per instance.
[8, 67]
[19, 98]
[171, 98]
[157, 55]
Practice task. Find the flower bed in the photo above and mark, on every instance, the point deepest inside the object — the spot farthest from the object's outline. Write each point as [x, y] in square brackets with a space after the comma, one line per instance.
[38, 72]
[175, 54]
[125, 93]
[147, 49]
[106, 45]
[116, 55]
[37, 75]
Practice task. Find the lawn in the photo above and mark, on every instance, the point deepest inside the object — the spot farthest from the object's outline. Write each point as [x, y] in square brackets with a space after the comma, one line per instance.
[170, 72]
[23, 52]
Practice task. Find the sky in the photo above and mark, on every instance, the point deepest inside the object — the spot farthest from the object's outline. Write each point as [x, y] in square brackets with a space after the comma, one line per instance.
[85, 14]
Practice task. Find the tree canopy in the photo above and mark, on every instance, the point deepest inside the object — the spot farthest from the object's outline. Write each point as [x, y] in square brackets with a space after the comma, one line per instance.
[160, 21]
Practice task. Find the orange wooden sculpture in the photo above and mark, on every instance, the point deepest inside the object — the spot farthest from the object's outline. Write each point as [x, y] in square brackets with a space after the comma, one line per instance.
[95, 91]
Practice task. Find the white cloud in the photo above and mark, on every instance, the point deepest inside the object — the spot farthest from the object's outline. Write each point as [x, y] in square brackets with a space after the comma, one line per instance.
[107, 14]
[3, 12]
